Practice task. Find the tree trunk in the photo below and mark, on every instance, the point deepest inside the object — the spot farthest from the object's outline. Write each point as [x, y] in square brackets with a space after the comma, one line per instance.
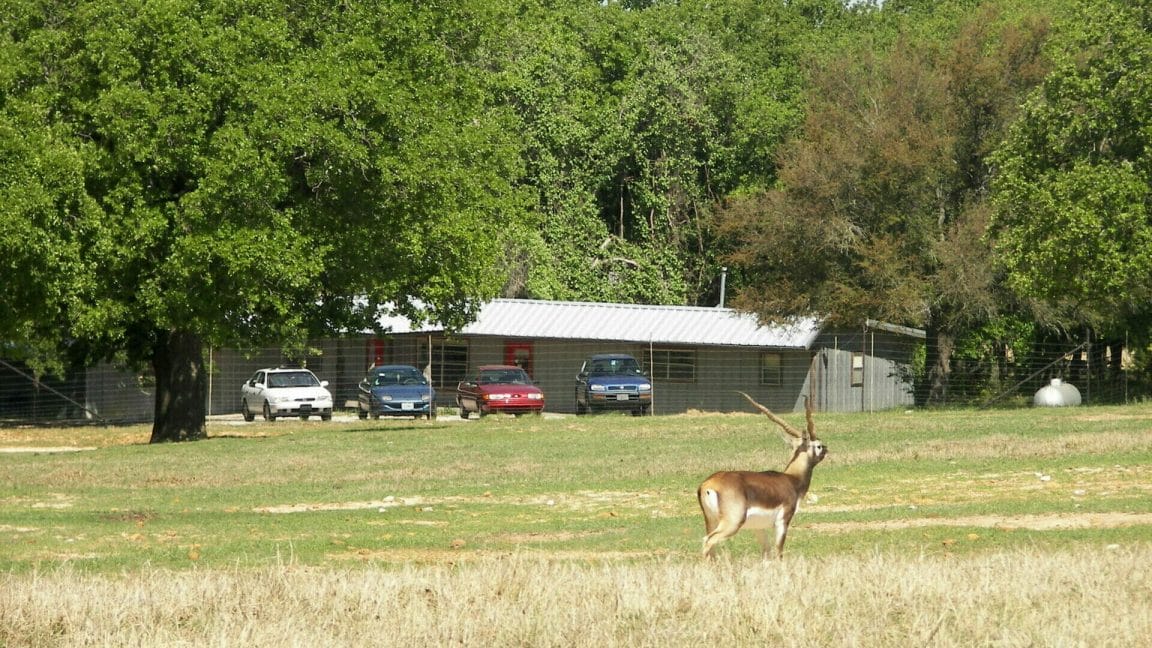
[933, 390]
[181, 388]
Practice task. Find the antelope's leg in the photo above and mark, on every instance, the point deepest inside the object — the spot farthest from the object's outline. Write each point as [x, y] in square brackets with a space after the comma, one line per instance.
[721, 533]
[782, 522]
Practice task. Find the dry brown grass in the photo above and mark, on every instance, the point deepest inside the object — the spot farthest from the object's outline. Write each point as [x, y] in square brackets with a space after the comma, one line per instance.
[999, 599]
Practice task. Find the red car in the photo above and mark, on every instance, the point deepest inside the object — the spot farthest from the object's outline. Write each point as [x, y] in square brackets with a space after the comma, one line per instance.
[499, 388]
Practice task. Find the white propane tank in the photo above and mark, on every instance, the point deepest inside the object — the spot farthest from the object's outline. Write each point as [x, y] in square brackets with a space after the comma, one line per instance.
[1057, 394]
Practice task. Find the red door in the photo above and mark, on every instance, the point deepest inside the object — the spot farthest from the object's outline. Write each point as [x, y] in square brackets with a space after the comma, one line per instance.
[519, 354]
[376, 351]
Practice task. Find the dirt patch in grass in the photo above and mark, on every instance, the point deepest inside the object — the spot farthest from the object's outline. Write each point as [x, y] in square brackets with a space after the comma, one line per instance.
[540, 536]
[462, 554]
[588, 501]
[1053, 522]
[46, 450]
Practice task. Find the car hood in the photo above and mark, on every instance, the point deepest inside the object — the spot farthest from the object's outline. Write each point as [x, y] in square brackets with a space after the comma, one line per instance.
[297, 393]
[619, 380]
[410, 392]
[508, 389]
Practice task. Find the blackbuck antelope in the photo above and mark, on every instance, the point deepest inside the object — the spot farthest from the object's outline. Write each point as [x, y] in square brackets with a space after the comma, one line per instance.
[735, 499]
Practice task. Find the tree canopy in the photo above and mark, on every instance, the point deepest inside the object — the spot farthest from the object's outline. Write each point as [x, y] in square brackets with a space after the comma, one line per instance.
[190, 171]
[1073, 219]
[881, 205]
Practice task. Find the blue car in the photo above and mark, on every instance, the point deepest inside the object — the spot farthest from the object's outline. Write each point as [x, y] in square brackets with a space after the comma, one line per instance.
[396, 390]
[613, 381]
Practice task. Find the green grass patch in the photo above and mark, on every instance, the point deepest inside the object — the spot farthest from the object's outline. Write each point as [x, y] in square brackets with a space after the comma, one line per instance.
[362, 493]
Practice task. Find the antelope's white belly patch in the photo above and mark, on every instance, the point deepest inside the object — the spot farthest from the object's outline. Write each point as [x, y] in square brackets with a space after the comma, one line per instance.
[762, 518]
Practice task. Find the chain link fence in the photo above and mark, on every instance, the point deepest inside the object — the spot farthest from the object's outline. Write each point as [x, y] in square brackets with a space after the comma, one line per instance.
[684, 379]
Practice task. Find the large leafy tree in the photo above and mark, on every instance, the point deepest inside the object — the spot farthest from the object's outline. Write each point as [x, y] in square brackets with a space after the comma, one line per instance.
[1073, 219]
[880, 208]
[182, 172]
[637, 117]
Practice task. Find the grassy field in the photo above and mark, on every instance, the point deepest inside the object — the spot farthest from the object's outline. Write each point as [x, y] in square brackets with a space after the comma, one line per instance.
[1023, 527]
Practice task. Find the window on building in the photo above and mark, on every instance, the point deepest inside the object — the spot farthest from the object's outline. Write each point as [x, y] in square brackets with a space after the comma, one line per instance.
[449, 361]
[674, 365]
[770, 369]
[857, 369]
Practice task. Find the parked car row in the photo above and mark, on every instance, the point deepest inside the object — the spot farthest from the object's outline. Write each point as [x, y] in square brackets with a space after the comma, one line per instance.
[606, 382]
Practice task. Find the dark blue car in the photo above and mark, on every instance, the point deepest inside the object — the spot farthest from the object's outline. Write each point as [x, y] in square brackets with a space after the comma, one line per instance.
[396, 390]
[613, 381]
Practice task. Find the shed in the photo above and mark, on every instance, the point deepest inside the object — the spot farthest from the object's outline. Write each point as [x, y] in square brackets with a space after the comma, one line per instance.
[698, 357]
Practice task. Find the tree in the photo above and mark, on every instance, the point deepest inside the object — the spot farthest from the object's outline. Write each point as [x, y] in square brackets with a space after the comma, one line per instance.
[1073, 218]
[881, 206]
[636, 117]
[191, 172]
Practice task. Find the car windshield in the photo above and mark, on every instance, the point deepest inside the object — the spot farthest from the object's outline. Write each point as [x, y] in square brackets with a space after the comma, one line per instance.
[504, 377]
[615, 367]
[292, 379]
[400, 377]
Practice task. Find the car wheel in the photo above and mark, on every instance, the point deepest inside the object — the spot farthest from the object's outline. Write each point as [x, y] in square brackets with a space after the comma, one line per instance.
[376, 415]
[268, 415]
[303, 417]
[463, 410]
[248, 415]
[363, 414]
[325, 417]
[432, 413]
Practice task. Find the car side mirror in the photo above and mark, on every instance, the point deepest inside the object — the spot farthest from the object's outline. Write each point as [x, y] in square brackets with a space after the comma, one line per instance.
[323, 383]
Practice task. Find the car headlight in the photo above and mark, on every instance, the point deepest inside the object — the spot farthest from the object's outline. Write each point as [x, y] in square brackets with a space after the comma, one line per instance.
[384, 397]
[644, 387]
[278, 398]
[596, 387]
[425, 397]
[536, 396]
[497, 396]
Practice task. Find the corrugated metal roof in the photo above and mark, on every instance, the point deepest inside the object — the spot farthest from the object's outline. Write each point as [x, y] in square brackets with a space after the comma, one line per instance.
[560, 320]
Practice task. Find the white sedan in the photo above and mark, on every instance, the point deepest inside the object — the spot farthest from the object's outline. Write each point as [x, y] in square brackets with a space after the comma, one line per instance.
[285, 392]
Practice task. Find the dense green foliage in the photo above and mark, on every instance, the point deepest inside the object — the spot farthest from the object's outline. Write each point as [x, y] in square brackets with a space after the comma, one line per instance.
[190, 172]
[1074, 217]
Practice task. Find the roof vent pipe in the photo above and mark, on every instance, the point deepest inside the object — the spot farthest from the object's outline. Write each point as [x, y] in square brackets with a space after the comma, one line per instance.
[723, 283]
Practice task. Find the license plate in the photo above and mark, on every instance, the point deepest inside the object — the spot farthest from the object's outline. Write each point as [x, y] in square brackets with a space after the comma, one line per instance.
[621, 397]
[407, 406]
[305, 408]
